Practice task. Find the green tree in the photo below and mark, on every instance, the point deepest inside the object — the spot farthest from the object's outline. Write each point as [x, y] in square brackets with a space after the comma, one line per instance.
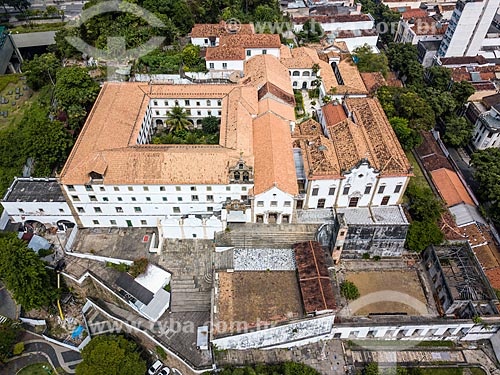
[487, 173]
[41, 70]
[8, 335]
[423, 203]
[24, 274]
[191, 56]
[419, 113]
[349, 290]
[408, 137]
[107, 355]
[210, 125]
[458, 131]
[439, 77]
[442, 102]
[371, 369]
[368, 61]
[421, 234]
[311, 31]
[400, 55]
[461, 91]
[177, 120]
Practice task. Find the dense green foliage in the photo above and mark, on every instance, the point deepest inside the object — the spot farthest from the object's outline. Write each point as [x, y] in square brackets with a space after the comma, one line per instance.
[8, 335]
[487, 165]
[421, 234]
[210, 125]
[41, 70]
[408, 137]
[109, 355]
[24, 274]
[311, 31]
[139, 267]
[383, 15]
[458, 131]
[288, 368]
[349, 290]
[368, 61]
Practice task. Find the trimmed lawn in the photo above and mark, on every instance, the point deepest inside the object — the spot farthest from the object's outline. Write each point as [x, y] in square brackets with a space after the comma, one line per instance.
[37, 369]
[419, 178]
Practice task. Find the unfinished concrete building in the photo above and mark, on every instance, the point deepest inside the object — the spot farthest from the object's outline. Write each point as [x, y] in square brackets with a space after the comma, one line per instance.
[460, 287]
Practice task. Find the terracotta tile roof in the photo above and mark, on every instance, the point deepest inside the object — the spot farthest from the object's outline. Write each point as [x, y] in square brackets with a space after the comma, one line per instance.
[250, 41]
[314, 279]
[373, 81]
[463, 60]
[347, 34]
[413, 13]
[431, 154]
[369, 137]
[225, 53]
[300, 58]
[108, 141]
[450, 187]
[207, 30]
[353, 83]
[392, 80]
[274, 164]
[493, 276]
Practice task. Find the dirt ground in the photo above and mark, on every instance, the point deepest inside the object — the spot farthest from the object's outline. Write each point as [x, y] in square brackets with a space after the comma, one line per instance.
[249, 299]
[406, 282]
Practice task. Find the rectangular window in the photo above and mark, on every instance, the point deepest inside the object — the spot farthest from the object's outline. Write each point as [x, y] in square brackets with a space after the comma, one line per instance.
[80, 210]
[209, 188]
[133, 199]
[228, 188]
[210, 198]
[137, 209]
[145, 188]
[179, 199]
[243, 188]
[96, 222]
[381, 189]
[76, 198]
[164, 199]
[264, 51]
[97, 210]
[119, 199]
[315, 192]
[20, 210]
[193, 188]
[116, 188]
[210, 209]
[119, 209]
[130, 188]
[353, 202]
[321, 203]
[331, 191]
[287, 204]
[89, 188]
[177, 210]
[199, 113]
[249, 52]
[162, 188]
[186, 102]
[177, 188]
[274, 203]
[244, 197]
[41, 210]
[144, 222]
[148, 199]
[194, 198]
[112, 222]
[368, 188]
[398, 187]
[105, 199]
[211, 65]
[385, 201]
[70, 188]
[93, 198]
[260, 203]
[346, 190]
[224, 65]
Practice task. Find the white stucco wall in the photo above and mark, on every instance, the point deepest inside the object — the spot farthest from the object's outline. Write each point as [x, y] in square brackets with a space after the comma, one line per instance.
[273, 201]
[229, 64]
[43, 212]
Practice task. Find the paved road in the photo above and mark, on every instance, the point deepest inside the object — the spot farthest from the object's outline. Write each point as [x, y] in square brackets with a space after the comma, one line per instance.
[14, 366]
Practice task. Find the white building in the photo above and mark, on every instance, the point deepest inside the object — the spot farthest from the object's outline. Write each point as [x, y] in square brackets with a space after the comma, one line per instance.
[335, 23]
[233, 50]
[487, 128]
[37, 200]
[351, 159]
[207, 35]
[416, 26]
[468, 29]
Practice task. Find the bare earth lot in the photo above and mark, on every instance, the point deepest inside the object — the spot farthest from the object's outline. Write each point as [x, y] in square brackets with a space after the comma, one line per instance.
[252, 297]
[406, 282]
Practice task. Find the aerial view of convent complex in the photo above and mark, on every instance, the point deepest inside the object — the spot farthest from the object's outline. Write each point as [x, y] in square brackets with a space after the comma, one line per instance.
[305, 227]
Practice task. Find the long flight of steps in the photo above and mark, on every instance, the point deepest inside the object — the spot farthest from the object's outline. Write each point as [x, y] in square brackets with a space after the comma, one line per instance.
[188, 295]
[267, 236]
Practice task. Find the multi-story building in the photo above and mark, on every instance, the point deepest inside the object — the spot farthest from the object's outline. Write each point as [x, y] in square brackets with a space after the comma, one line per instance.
[208, 34]
[417, 26]
[351, 159]
[486, 117]
[468, 30]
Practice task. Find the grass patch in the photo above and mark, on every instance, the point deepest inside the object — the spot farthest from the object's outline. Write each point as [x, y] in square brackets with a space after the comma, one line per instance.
[9, 83]
[8, 78]
[442, 343]
[37, 369]
[419, 177]
[38, 27]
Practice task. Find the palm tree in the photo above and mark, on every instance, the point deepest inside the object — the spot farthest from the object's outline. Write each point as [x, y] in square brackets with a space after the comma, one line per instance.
[177, 120]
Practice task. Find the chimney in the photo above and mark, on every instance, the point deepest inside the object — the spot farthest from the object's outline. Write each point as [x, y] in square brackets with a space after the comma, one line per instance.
[358, 7]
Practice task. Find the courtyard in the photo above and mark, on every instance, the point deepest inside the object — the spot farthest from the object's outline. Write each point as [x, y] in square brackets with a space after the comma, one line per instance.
[390, 286]
[247, 299]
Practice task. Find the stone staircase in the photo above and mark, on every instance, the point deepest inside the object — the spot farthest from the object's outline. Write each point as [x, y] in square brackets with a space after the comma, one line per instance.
[266, 236]
[224, 260]
[189, 295]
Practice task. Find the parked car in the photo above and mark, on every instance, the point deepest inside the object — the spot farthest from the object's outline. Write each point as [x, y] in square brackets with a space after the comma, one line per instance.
[175, 371]
[164, 371]
[155, 367]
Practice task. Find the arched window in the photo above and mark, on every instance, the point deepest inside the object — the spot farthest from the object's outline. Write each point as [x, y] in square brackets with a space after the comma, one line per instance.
[246, 176]
[296, 73]
[209, 103]
[236, 176]
[295, 84]
[305, 74]
[176, 103]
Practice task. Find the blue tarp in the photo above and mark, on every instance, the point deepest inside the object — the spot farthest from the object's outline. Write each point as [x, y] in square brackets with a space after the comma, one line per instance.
[77, 332]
